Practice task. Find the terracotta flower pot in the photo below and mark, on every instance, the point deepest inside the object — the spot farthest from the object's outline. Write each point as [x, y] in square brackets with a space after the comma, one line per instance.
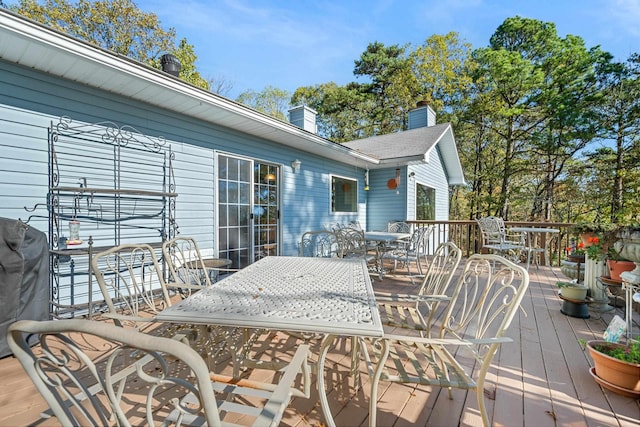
[618, 267]
[620, 374]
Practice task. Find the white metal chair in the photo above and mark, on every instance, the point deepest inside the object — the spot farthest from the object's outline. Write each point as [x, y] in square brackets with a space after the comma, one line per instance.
[319, 243]
[353, 245]
[398, 227]
[484, 301]
[132, 283]
[409, 311]
[134, 290]
[186, 266]
[497, 239]
[173, 385]
[413, 251]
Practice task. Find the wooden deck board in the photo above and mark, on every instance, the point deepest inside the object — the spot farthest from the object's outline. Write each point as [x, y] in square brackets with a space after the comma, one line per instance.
[541, 379]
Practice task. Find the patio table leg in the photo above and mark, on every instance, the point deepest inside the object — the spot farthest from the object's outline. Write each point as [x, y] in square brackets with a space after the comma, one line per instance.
[327, 341]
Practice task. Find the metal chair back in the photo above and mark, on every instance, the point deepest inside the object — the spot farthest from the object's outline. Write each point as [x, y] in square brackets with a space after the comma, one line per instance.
[166, 382]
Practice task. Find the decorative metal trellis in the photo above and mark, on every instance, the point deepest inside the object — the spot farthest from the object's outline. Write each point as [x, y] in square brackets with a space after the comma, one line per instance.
[118, 186]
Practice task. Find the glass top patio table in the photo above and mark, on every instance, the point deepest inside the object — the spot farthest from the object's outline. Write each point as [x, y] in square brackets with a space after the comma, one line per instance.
[331, 296]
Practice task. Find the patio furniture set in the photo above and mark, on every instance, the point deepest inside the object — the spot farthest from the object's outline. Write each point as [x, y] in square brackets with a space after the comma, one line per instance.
[513, 242]
[398, 244]
[449, 325]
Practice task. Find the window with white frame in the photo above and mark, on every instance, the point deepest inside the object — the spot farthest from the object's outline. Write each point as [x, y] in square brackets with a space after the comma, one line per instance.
[344, 194]
[425, 202]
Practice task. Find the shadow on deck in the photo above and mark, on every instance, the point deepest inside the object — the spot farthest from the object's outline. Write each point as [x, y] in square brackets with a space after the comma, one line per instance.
[541, 379]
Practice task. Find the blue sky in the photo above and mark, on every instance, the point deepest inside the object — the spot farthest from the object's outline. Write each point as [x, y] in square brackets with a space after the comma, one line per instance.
[292, 43]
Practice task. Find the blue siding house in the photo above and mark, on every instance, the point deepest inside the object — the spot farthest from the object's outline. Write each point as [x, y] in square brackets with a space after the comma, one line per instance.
[114, 135]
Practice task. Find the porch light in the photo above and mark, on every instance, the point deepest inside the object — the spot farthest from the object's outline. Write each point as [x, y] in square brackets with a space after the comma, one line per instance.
[296, 165]
[366, 180]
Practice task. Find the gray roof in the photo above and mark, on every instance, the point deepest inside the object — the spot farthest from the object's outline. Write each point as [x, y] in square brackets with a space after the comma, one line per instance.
[413, 147]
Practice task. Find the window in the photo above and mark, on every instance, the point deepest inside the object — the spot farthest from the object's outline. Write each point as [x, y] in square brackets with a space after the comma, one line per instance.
[344, 194]
[425, 202]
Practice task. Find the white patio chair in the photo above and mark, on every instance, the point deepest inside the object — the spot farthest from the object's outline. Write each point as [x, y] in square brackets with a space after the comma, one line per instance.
[473, 326]
[133, 287]
[319, 243]
[497, 239]
[398, 227]
[353, 245]
[132, 284]
[188, 269]
[413, 251]
[172, 386]
[186, 266]
[408, 311]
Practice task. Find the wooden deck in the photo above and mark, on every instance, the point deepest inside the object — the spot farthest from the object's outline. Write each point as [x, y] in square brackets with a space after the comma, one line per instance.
[542, 379]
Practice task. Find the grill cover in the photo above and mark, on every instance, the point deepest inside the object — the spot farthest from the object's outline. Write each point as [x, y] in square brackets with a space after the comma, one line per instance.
[24, 276]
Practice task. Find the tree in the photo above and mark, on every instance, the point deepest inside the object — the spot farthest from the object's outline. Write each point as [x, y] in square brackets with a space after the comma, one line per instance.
[220, 85]
[619, 114]
[271, 101]
[391, 88]
[442, 67]
[342, 110]
[116, 25]
[535, 95]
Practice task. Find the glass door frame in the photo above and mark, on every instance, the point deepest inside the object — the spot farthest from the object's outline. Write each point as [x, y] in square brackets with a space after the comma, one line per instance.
[253, 217]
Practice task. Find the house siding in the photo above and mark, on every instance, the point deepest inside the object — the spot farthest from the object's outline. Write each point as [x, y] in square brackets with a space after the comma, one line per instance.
[31, 100]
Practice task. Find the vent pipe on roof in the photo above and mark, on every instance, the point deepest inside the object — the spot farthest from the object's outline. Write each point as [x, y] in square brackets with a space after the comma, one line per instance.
[170, 64]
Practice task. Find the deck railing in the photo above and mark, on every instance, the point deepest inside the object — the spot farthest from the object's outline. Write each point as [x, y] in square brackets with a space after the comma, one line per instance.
[466, 235]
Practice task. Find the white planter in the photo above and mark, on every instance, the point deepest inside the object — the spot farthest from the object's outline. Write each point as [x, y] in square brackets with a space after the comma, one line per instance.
[628, 246]
[575, 292]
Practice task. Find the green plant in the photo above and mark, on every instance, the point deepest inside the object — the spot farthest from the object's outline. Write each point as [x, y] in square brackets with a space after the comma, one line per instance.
[629, 353]
[566, 284]
[576, 249]
[601, 247]
[596, 248]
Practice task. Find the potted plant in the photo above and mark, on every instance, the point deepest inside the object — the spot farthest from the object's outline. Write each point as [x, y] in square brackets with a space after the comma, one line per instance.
[617, 366]
[588, 230]
[573, 291]
[576, 252]
[601, 247]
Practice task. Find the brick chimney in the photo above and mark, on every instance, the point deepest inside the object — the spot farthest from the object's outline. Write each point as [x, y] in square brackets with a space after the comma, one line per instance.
[304, 117]
[422, 116]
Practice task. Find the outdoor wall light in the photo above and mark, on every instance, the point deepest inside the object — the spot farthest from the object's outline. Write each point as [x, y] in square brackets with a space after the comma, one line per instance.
[366, 180]
[296, 165]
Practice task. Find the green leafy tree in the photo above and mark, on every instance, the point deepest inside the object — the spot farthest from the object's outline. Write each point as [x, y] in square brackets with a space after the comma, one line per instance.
[116, 25]
[271, 100]
[534, 95]
[442, 68]
[390, 91]
[341, 109]
[619, 118]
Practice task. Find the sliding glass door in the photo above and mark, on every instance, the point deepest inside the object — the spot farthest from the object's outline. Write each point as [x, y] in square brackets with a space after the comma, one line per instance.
[248, 210]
